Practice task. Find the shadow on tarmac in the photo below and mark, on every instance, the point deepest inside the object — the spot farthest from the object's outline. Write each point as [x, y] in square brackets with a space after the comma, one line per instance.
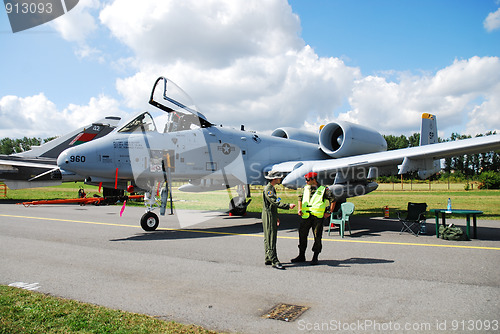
[339, 263]
[194, 233]
[361, 227]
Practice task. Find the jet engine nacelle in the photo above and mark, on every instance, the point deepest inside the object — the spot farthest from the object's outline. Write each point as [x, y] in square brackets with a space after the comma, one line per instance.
[342, 139]
[343, 191]
[296, 134]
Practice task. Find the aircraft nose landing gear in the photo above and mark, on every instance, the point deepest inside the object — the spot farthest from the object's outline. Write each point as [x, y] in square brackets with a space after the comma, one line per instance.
[149, 221]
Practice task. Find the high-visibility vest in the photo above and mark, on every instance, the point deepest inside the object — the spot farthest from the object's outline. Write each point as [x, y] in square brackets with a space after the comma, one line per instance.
[314, 205]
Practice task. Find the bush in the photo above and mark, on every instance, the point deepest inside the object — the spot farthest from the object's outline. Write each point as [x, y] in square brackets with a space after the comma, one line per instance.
[455, 177]
[489, 180]
[389, 179]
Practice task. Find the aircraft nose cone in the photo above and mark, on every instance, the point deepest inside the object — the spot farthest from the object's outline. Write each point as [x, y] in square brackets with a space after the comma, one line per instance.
[62, 159]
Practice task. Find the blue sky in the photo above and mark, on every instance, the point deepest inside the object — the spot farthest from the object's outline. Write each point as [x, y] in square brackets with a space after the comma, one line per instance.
[388, 35]
[297, 63]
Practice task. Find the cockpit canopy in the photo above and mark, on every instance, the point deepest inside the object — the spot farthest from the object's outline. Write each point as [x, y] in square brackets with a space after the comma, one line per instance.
[182, 113]
[178, 121]
[142, 123]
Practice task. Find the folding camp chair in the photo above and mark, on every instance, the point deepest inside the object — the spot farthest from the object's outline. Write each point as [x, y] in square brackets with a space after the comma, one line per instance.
[346, 209]
[415, 215]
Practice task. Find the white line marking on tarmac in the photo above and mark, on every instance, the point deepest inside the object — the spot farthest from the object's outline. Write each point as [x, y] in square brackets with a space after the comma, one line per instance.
[26, 286]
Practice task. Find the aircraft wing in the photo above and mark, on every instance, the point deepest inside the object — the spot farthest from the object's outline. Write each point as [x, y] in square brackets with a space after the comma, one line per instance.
[20, 173]
[9, 162]
[394, 158]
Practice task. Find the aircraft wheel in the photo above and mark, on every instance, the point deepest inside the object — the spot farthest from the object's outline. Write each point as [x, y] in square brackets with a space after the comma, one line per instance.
[149, 221]
[238, 211]
[238, 206]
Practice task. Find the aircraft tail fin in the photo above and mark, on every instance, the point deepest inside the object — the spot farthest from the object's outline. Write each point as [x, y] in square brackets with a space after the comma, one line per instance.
[428, 131]
[428, 136]
[53, 148]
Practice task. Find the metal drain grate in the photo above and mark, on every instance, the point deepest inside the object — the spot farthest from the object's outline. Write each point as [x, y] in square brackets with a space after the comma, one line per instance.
[285, 312]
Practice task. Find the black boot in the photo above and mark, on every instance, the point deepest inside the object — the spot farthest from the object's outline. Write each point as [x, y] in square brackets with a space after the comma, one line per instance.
[314, 260]
[300, 258]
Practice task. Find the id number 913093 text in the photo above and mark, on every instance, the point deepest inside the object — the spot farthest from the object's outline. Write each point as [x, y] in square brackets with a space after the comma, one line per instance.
[28, 8]
[474, 325]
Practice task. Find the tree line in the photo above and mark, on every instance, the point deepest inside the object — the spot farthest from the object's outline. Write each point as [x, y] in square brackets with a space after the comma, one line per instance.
[11, 146]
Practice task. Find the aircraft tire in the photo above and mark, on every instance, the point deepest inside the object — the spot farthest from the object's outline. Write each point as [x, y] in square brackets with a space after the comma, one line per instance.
[238, 212]
[238, 206]
[149, 221]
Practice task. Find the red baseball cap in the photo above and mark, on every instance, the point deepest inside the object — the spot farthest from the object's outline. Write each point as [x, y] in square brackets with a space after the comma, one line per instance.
[311, 175]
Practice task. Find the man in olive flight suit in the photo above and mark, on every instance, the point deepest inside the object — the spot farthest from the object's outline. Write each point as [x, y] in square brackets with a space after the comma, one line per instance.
[270, 220]
[313, 206]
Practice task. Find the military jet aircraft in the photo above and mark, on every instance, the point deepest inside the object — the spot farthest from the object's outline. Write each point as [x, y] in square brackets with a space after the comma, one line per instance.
[37, 167]
[181, 144]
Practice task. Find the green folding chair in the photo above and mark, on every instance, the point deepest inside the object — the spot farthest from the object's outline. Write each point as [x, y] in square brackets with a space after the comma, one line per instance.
[347, 210]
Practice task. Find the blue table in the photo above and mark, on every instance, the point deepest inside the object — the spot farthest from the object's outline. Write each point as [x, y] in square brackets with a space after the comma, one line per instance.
[467, 213]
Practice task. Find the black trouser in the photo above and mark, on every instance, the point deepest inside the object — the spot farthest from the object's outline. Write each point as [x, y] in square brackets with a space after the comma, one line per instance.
[316, 224]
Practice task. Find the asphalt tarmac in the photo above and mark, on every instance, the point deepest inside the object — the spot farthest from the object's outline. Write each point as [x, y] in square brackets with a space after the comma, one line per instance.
[208, 269]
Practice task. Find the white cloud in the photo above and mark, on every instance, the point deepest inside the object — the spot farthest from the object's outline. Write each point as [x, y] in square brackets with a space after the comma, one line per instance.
[242, 62]
[451, 94]
[260, 92]
[77, 26]
[471, 76]
[492, 21]
[211, 33]
[78, 23]
[29, 116]
[97, 108]
[485, 113]
[37, 116]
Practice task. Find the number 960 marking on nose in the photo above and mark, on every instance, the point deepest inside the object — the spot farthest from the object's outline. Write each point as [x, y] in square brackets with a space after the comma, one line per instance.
[77, 158]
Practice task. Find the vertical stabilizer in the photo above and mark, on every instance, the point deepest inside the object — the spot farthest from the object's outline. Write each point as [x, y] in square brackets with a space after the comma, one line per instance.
[428, 135]
[428, 131]
[53, 148]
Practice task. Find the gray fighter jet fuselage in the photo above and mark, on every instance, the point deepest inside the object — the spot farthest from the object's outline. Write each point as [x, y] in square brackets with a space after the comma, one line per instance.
[209, 157]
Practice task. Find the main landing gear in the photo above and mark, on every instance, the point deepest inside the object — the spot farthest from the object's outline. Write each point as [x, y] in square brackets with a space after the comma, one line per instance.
[238, 204]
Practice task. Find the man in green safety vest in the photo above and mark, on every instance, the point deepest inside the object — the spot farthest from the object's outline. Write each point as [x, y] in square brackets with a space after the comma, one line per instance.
[270, 221]
[315, 203]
